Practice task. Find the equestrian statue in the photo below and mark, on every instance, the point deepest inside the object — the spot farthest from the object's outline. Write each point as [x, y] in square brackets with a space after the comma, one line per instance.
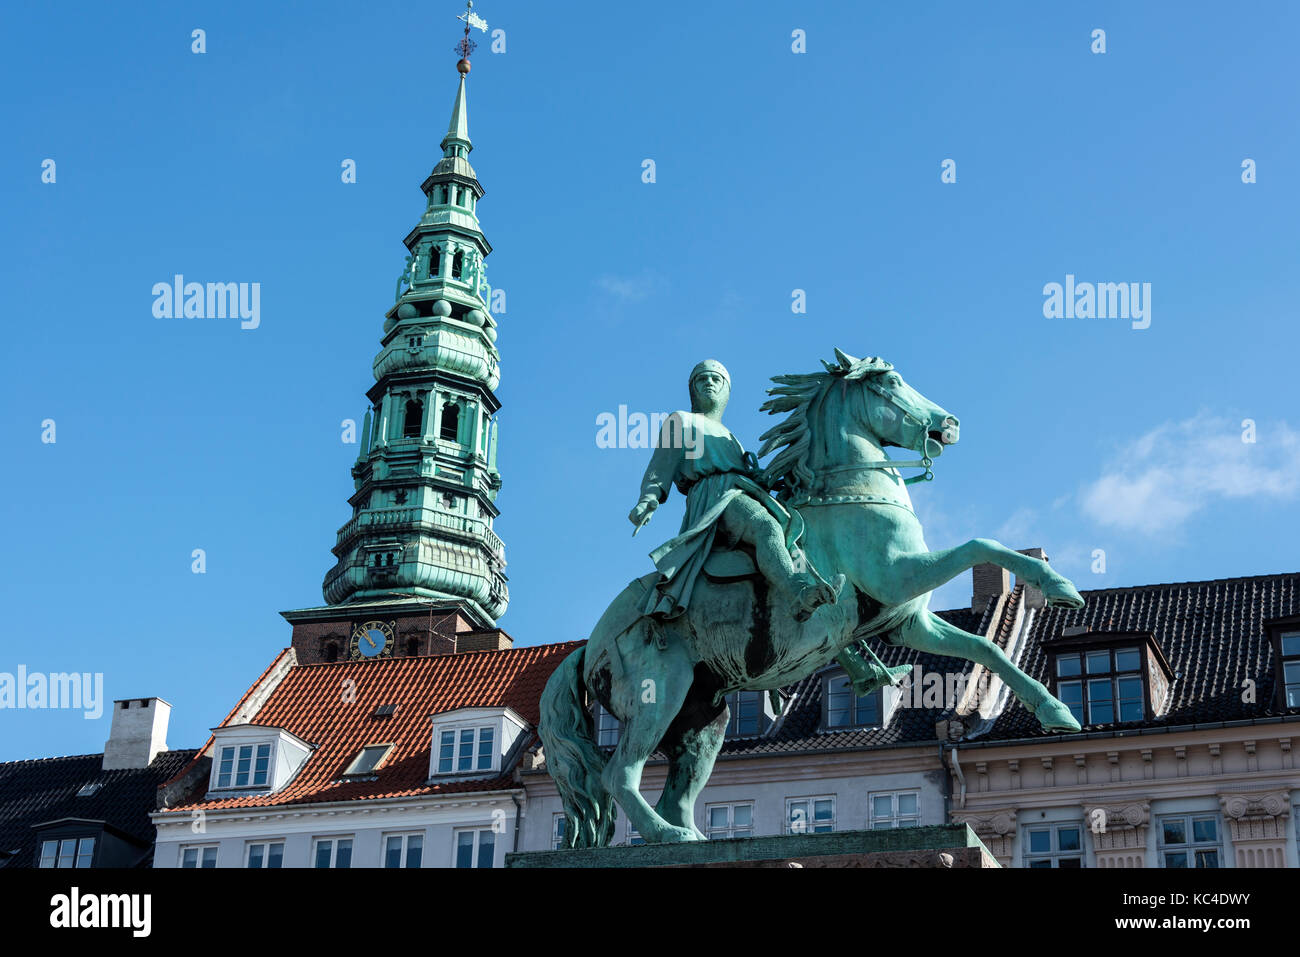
[740, 599]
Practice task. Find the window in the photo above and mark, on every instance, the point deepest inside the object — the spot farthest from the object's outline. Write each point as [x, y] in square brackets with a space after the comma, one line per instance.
[435, 261]
[812, 815]
[265, 854]
[196, 855]
[458, 265]
[68, 852]
[244, 765]
[607, 727]
[634, 838]
[1291, 668]
[449, 431]
[844, 709]
[332, 852]
[1189, 840]
[412, 425]
[748, 719]
[1102, 686]
[466, 749]
[475, 848]
[403, 850]
[558, 830]
[730, 820]
[894, 809]
[368, 759]
[1054, 845]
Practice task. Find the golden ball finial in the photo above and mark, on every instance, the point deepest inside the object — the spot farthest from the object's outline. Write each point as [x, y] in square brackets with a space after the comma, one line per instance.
[463, 66]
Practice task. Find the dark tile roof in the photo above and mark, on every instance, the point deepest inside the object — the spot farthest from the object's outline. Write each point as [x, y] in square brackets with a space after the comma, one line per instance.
[308, 704]
[1212, 634]
[797, 730]
[43, 790]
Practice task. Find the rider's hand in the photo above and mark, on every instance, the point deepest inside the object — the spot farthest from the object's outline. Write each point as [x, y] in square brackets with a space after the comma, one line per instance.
[642, 510]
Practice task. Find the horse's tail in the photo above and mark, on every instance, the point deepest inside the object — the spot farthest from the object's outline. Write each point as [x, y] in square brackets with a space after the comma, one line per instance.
[572, 758]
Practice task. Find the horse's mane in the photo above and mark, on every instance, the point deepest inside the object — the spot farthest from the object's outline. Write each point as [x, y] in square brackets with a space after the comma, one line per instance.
[789, 472]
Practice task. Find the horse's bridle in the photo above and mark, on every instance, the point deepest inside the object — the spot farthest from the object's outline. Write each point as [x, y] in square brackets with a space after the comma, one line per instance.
[911, 417]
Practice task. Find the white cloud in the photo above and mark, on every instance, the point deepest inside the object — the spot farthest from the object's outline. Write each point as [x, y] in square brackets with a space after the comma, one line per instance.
[628, 288]
[1164, 477]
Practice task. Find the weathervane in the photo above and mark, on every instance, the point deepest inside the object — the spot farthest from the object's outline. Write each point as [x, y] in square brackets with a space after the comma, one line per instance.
[466, 46]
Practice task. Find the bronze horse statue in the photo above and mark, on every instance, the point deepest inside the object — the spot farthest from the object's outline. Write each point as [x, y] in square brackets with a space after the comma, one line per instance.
[666, 681]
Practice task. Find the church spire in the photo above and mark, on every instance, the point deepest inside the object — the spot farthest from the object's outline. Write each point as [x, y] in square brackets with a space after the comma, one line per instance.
[426, 478]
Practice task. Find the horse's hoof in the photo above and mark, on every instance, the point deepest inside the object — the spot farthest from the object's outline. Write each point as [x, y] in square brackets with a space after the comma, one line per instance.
[1062, 594]
[671, 834]
[1053, 715]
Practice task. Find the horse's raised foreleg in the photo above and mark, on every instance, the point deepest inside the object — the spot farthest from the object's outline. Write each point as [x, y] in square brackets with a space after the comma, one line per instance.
[906, 575]
[647, 697]
[926, 631]
[692, 745]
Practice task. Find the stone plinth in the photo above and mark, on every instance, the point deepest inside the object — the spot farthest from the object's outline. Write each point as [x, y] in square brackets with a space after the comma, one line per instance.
[945, 846]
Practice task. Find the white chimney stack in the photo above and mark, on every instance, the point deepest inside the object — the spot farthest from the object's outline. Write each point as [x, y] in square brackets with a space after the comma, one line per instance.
[138, 733]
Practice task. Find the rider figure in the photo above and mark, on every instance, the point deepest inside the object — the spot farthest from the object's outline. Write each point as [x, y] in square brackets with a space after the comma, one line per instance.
[699, 455]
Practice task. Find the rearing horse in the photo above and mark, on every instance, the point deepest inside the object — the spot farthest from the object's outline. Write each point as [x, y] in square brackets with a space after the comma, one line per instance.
[666, 681]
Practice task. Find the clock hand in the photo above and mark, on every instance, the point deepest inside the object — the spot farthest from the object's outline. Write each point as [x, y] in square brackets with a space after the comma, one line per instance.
[369, 639]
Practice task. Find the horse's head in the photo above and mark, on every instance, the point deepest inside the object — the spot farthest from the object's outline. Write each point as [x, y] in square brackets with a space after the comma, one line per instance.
[896, 414]
[855, 404]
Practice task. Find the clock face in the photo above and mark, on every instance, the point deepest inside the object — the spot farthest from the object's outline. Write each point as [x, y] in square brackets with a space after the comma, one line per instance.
[373, 639]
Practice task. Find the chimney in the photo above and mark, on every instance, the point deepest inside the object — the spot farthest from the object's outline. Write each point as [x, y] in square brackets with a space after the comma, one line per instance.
[988, 581]
[138, 733]
[491, 639]
[1033, 595]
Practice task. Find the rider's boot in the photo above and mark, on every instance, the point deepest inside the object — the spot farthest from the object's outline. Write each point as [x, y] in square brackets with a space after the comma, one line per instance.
[816, 593]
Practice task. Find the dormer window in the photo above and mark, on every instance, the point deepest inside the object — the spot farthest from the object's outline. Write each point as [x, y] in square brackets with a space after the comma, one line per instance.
[841, 708]
[607, 727]
[1102, 686]
[750, 714]
[466, 749]
[68, 852]
[474, 741]
[248, 757]
[244, 766]
[371, 756]
[1289, 645]
[1109, 677]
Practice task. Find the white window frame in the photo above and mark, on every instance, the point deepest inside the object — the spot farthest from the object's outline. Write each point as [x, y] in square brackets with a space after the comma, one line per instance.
[1054, 854]
[200, 853]
[634, 838]
[608, 728]
[252, 766]
[476, 847]
[895, 818]
[558, 826]
[457, 732]
[811, 824]
[334, 840]
[1191, 846]
[405, 855]
[721, 833]
[266, 844]
[74, 858]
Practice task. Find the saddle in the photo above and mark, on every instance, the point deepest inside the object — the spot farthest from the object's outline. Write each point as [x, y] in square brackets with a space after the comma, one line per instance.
[728, 565]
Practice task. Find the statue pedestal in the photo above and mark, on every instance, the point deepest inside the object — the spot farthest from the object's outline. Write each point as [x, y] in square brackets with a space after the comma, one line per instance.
[943, 846]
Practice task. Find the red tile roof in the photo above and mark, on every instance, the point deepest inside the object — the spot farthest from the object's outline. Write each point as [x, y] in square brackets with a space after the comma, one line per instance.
[333, 705]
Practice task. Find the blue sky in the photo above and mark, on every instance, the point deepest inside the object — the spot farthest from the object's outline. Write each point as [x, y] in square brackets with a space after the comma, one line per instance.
[775, 171]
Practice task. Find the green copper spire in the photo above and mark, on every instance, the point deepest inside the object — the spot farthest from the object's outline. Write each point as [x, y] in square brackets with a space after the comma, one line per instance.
[458, 128]
[426, 478]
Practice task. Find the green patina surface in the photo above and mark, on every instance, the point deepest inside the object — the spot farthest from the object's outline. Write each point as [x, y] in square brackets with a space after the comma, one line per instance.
[829, 517]
[426, 477]
[743, 849]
